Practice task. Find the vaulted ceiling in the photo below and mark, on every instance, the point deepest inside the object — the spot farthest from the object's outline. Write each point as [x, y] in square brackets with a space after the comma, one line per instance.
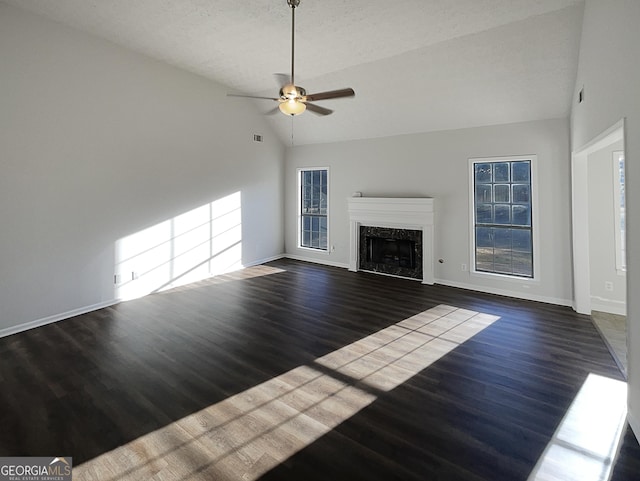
[416, 65]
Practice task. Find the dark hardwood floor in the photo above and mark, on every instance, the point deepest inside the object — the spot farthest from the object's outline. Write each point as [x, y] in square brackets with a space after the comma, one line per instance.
[485, 411]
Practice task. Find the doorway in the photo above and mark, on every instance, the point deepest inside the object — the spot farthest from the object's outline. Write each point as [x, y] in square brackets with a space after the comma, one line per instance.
[598, 237]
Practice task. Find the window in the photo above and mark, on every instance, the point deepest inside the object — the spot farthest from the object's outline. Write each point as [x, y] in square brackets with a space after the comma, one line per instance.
[619, 210]
[502, 216]
[313, 208]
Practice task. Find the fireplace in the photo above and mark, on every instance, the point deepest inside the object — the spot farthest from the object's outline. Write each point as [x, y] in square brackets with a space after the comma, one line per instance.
[391, 251]
[392, 236]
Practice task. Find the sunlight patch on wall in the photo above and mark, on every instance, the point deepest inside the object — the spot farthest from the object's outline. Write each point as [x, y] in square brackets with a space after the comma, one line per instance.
[252, 432]
[189, 247]
[585, 444]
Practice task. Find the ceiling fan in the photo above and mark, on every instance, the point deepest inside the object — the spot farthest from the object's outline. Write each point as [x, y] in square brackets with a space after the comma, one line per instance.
[293, 100]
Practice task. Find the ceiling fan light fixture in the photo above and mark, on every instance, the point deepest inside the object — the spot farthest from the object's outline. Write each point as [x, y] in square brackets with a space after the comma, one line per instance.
[292, 107]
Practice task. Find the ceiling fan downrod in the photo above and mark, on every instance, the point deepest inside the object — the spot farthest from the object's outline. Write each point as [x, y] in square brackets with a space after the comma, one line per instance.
[293, 4]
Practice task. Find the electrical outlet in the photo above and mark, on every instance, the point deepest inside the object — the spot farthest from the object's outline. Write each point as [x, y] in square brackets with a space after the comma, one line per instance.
[608, 286]
[463, 267]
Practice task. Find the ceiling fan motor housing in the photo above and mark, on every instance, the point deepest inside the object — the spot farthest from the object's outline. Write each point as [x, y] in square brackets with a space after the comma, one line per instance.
[291, 91]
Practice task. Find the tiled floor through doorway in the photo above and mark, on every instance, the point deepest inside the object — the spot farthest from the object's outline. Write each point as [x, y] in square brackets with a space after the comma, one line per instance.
[613, 329]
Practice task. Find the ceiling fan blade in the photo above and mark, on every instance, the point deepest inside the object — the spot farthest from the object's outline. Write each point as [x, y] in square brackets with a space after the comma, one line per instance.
[316, 109]
[282, 79]
[251, 97]
[331, 94]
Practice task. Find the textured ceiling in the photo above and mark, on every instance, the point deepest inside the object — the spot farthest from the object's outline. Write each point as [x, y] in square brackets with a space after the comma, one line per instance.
[416, 65]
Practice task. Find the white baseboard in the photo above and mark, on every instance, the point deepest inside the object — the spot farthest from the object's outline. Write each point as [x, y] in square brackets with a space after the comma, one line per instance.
[507, 293]
[317, 261]
[471, 287]
[55, 318]
[83, 310]
[607, 305]
[264, 261]
[635, 426]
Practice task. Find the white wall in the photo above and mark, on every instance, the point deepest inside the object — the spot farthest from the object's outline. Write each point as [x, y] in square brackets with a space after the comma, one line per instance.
[602, 241]
[436, 165]
[609, 71]
[98, 143]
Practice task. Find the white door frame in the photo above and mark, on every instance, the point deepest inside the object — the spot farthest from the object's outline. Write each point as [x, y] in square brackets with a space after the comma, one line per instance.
[580, 213]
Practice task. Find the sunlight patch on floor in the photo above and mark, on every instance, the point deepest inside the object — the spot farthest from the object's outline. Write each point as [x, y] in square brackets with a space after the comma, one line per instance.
[391, 356]
[236, 275]
[250, 433]
[585, 444]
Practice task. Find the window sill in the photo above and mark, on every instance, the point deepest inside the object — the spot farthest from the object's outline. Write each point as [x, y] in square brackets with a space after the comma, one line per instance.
[504, 277]
[314, 249]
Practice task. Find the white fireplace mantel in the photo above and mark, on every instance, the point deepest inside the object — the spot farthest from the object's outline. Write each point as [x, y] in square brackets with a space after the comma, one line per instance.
[414, 213]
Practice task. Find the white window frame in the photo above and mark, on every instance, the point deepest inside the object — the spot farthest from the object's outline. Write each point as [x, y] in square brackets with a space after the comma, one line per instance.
[299, 171]
[535, 224]
[621, 261]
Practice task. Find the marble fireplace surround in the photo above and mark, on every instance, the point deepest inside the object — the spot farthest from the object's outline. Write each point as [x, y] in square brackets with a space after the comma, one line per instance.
[415, 213]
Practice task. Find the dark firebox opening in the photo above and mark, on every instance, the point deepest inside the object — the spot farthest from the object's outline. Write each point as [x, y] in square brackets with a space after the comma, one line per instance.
[391, 252]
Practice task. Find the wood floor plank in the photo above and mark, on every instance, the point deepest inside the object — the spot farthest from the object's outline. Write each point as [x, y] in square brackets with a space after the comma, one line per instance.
[294, 371]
